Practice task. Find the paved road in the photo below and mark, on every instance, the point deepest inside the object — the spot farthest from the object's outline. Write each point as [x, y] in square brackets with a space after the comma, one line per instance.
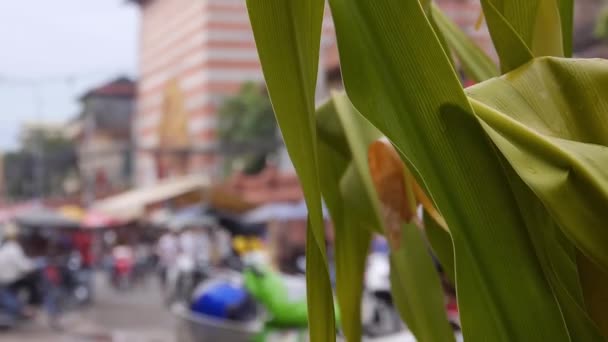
[137, 315]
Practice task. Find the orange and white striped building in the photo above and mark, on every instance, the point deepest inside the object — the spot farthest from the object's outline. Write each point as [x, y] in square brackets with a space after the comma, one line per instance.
[204, 50]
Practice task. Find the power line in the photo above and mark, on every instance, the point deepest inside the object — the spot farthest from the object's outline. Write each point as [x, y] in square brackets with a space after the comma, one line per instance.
[12, 80]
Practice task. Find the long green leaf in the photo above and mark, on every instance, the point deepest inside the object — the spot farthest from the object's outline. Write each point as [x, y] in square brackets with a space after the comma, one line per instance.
[566, 13]
[287, 35]
[398, 76]
[351, 246]
[521, 29]
[441, 243]
[351, 238]
[510, 47]
[476, 63]
[536, 22]
[547, 39]
[321, 324]
[416, 287]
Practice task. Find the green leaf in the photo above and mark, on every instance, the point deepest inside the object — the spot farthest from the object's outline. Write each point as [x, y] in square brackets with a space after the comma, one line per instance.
[354, 208]
[321, 324]
[416, 288]
[359, 135]
[441, 243]
[349, 195]
[351, 247]
[557, 258]
[548, 120]
[566, 13]
[349, 135]
[595, 282]
[287, 35]
[351, 240]
[510, 47]
[537, 22]
[398, 76]
[547, 38]
[476, 64]
[522, 27]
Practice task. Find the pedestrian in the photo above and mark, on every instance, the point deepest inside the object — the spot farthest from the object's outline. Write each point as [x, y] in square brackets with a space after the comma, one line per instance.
[14, 267]
[167, 250]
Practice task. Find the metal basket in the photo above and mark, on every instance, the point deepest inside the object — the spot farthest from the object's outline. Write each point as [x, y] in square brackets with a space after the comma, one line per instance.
[193, 327]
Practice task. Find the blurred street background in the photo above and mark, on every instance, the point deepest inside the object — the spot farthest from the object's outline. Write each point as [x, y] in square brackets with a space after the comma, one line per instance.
[143, 179]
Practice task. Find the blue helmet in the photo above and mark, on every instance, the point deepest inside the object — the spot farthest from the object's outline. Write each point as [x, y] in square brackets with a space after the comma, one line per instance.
[224, 300]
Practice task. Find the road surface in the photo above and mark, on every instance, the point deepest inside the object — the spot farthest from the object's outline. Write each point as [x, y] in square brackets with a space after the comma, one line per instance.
[136, 315]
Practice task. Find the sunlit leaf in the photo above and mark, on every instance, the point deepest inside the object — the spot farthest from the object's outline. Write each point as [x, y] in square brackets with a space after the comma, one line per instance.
[548, 120]
[285, 32]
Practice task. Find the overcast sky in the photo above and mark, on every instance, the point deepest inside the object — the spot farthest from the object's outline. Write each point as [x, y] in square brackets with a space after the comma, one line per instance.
[58, 49]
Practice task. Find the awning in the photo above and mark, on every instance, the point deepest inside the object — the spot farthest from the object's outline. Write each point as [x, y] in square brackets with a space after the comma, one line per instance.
[279, 211]
[195, 216]
[94, 220]
[42, 217]
[132, 204]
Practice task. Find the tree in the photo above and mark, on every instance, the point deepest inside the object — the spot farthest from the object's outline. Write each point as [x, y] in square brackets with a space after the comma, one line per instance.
[41, 166]
[247, 129]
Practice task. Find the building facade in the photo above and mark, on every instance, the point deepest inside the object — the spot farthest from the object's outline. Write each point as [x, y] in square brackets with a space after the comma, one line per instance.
[102, 133]
[194, 53]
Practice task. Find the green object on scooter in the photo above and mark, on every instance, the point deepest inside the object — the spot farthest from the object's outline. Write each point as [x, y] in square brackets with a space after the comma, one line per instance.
[288, 319]
[270, 290]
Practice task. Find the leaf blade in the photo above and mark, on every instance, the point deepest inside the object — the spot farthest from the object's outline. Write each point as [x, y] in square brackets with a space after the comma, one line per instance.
[288, 31]
[417, 288]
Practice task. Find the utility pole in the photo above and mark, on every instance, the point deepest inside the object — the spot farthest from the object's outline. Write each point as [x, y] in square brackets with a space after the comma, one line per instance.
[39, 167]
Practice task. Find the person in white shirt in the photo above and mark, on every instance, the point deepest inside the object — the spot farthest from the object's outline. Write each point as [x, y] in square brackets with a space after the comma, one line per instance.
[187, 242]
[167, 250]
[14, 265]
